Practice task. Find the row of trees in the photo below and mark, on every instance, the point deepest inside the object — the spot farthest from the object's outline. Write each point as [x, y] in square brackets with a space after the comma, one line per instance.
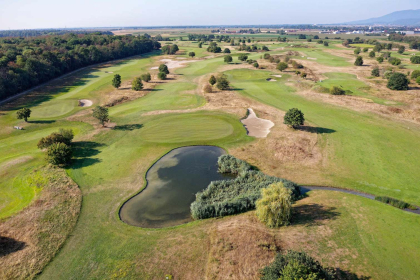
[27, 62]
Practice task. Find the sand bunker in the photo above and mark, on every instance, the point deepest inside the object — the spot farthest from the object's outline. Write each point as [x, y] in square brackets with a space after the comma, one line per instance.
[85, 103]
[173, 63]
[255, 126]
[278, 76]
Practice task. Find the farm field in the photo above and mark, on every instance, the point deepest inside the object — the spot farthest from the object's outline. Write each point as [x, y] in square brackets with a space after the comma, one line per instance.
[365, 141]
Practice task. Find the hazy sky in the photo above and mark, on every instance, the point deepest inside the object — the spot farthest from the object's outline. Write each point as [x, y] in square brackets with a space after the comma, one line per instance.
[27, 14]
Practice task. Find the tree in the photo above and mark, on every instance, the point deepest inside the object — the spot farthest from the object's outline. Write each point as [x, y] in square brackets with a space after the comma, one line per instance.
[282, 66]
[375, 72]
[418, 80]
[59, 154]
[380, 59]
[67, 135]
[303, 75]
[401, 49]
[365, 49]
[337, 91]
[226, 50]
[275, 205]
[163, 68]
[137, 85]
[415, 59]
[207, 88]
[265, 48]
[267, 56]
[372, 54]
[357, 51]
[146, 77]
[415, 74]
[398, 81]
[228, 59]
[326, 44]
[62, 136]
[191, 54]
[359, 61]
[101, 113]
[212, 80]
[23, 113]
[162, 76]
[294, 118]
[297, 72]
[243, 57]
[116, 81]
[256, 65]
[394, 61]
[200, 45]
[316, 37]
[222, 82]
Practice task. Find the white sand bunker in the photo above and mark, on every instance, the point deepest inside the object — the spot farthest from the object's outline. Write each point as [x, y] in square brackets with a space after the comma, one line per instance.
[173, 63]
[271, 80]
[255, 126]
[278, 76]
[85, 103]
[311, 58]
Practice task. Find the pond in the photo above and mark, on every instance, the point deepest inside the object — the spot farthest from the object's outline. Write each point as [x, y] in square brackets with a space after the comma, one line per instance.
[172, 183]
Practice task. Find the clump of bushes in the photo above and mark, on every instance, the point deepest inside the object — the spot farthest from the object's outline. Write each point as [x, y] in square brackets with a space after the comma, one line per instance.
[296, 265]
[415, 59]
[398, 81]
[376, 72]
[228, 197]
[58, 145]
[394, 61]
[337, 91]
[395, 202]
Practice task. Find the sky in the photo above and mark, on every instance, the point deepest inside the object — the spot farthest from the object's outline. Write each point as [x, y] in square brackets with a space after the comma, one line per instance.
[31, 14]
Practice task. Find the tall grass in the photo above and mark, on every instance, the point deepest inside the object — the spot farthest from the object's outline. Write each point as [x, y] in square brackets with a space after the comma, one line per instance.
[228, 197]
[395, 202]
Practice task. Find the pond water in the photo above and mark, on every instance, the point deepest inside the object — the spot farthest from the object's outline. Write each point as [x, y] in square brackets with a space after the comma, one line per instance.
[172, 183]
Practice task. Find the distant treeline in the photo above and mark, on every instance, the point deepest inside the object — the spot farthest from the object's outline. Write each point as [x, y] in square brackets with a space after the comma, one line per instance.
[27, 62]
[414, 41]
[41, 32]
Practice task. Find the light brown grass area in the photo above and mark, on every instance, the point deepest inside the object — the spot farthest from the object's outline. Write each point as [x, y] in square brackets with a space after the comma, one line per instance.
[30, 239]
[239, 248]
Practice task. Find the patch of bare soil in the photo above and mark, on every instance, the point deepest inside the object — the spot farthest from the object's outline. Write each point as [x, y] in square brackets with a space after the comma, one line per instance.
[255, 126]
[30, 239]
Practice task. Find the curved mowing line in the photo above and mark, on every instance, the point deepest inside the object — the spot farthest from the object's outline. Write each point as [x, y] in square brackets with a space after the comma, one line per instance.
[305, 189]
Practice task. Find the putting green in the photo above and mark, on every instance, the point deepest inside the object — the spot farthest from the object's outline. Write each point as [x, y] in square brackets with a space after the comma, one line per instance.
[187, 128]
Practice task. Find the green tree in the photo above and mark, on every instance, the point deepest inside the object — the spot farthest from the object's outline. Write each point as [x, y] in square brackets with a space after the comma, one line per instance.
[415, 59]
[256, 65]
[357, 51]
[282, 66]
[163, 68]
[415, 74]
[294, 118]
[191, 54]
[23, 113]
[359, 61]
[326, 44]
[243, 57]
[375, 72]
[59, 154]
[401, 49]
[162, 76]
[200, 45]
[226, 50]
[380, 59]
[228, 59]
[275, 205]
[116, 81]
[337, 91]
[418, 80]
[222, 82]
[398, 81]
[297, 72]
[137, 85]
[212, 80]
[304, 75]
[265, 48]
[365, 49]
[372, 54]
[101, 113]
[394, 61]
[146, 77]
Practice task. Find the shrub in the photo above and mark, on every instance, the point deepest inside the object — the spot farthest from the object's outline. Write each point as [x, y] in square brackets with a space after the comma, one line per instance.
[212, 80]
[267, 56]
[23, 113]
[398, 81]
[116, 81]
[214, 48]
[394, 202]
[401, 49]
[264, 48]
[274, 208]
[357, 51]
[232, 165]
[101, 113]
[375, 72]
[359, 61]
[394, 61]
[222, 82]
[415, 74]
[388, 74]
[380, 59]
[296, 265]
[415, 59]
[294, 118]
[59, 154]
[256, 65]
[163, 68]
[226, 50]
[372, 54]
[227, 58]
[243, 57]
[296, 65]
[191, 54]
[282, 66]
[162, 76]
[418, 80]
[326, 44]
[146, 77]
[337, 91]
[207, 89]
[365, 49]
[137, 84]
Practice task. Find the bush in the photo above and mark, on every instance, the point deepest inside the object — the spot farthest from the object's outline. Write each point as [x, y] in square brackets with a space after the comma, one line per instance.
[415, 74]
[162, 76]
[163, 68]
[357, 51]
[191, 54]
[294, 118]
[388, 74]
[394, 202]
[256, 65]
[228, 197]
[137, 85]
[372, 54]
[212, 80]
[101, 113]
[415, 59]
[274, 208]
[222, 83]
[296, 265]
[380, 59]
[267, 56]
[359, 61]
[326, 44]
[116, 81]
[226, 50]
[146, 77]
[227, 58]
[282, 66]
[243, 57]
[394, 61]
[337, 91]
[365, 49]
[207, 89]
[398, 81]
[375, 72]
[59, 154]
[418, 80]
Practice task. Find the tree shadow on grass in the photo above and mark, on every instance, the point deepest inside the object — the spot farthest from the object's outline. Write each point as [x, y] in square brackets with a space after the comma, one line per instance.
[152, 89]
[318, 130]
[313, 214]
[83, 151]
[347, 275]
[9, 245]
[42, 122]
[128, 127]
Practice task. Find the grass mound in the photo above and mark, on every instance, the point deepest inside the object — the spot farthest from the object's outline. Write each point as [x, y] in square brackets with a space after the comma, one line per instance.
[228, 197]
[395, 202]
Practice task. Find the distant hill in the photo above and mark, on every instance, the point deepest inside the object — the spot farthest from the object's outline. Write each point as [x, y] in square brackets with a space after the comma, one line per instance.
[407, 17]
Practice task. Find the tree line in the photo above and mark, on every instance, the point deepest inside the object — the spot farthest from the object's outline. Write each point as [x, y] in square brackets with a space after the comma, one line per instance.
[41, 32]
[27, 62]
